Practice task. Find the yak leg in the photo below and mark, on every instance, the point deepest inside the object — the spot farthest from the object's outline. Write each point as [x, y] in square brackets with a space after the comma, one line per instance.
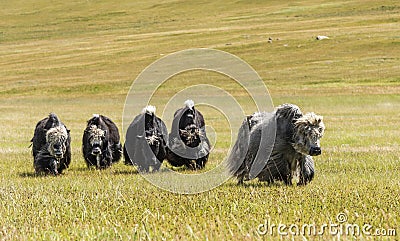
[240, 180]
[201, 162]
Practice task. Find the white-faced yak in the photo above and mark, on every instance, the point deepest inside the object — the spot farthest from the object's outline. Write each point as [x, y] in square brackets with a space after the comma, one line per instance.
[297, 138]
[145, 141]
[188, 142]
[51, 146]
[101, 145]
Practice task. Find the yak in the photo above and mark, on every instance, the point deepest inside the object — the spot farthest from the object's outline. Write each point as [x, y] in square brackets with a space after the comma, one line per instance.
[146, 141]
[101, 145]
[188, 142]
[297, 139]
[51, 146]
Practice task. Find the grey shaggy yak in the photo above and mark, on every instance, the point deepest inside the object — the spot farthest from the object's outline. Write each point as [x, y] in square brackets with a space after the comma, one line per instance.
[146, 141]
[188, 142]
[101, 145]
[297, 138]
[51, 146]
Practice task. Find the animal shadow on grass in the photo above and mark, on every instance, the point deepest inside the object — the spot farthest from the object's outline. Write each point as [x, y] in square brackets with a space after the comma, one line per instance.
[257, 184]
[107, 170]
[163, 169]
[126, 172]
[28, 174]
[136, 172]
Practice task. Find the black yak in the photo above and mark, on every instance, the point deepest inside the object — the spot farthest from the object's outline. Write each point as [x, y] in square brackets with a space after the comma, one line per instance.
[188, 142]
[51, 146]
[145, 141]
[297, 138]
[101, 145]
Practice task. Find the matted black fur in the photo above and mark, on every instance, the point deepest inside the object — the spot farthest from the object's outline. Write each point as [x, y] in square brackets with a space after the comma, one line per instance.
[188, 142]
[101, 146]
[145, 141]
[51, 146]
[296, 139]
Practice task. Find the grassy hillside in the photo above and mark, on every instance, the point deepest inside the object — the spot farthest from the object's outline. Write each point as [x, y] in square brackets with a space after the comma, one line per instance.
[80, 57]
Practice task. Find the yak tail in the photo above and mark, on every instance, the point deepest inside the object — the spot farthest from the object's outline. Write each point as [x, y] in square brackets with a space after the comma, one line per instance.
[54, 118]
[235, 163]
[189, 104]
[96, 119]
[150, 110]
[53, 121]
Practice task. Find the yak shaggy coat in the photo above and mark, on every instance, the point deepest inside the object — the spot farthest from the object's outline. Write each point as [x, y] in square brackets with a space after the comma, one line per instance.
[188, 142]
[297, 138]
[51, 146]
[101, 145]
[146, 141]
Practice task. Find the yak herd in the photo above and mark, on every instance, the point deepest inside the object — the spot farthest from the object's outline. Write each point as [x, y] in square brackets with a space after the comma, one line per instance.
[148, 144]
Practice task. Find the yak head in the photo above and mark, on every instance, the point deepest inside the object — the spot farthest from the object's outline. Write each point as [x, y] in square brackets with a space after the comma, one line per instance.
[188, 129]
[56, 139]
[97, 140]
[190, 135]
[152, 140]
[148, 140]
[151, 135]
[308, 130]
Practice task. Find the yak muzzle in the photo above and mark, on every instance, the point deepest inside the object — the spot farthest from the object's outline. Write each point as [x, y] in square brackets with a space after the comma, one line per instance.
[58, 154]
[315, 151]
[96, 151]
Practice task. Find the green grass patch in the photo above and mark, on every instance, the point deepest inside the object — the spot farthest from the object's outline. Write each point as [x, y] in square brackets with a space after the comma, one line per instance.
[77, 58]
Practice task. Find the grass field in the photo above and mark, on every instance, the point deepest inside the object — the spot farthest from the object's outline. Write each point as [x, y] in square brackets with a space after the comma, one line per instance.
[80, 57]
